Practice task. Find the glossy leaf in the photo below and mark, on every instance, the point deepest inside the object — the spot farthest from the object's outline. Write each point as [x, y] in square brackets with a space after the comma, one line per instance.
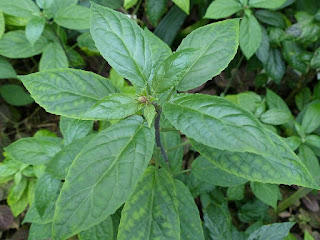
[292, 52]
[311, 119]
[53, 57]
[6, 70]
[155, 9]
[276, 116]
[223, 8]
[217, 123]
[216, 45]
[15, 95]
[272, 18]
[183, 4]
[269, 4]
[122, 43]
[190, 222]
[14, 44]
[152, 210]
[250, 35]
[276, 231]
[172, 70]
[101, 231]
[35, 28]
[267, 193]
[113, 106]
[114, 159]
[67, 92]
[46, 191]
[206, 171]
[281, 166]
[19, 8]
[73, 17]
[73, 129]
[34, 150]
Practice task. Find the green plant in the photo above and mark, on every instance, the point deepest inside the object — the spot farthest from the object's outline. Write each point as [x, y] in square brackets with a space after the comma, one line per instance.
[119, 165]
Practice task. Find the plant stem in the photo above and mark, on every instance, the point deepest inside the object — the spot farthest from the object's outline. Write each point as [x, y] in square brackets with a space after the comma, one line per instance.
[292, 199]
[158, 139]
[179, 145]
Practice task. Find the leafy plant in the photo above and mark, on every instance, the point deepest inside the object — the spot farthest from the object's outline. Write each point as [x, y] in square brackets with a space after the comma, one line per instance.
[132, 166]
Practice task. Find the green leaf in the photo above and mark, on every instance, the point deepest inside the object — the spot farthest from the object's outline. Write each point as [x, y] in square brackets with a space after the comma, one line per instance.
[46, 191]
[315, 61]
[53, 57]
[20, 205]
[152, 210]
[73, 129]
[73, 17]
[129, 54]
[35, 28]
[250, 35]
[313, 141]
[19, 8]
[293, 142]
[102, 231]
[33, 215]
[217, 123]
[155, 9]
[67, 92]
[311, 119]
[190, 222]
[274, 101]
[172, 70]
[236, 193]
[149, 113]
[17, 191]
[269, 4]
[114, 4]
[129, 3]
[86, 43]
[114, 159]
[45, 4]
[303, 98]
[2, 24]
[14, 44]
[267, 193]
[113, 106]
[183, 4]
[15, 95]
[272, 18]
[206, 171]
[276, 231]
[253, 211]
[222, 9]
[40, 231]
[292, 52]
[216, 45]
[34, 151]
[7, 170]
[6, 70]
[61, 4]
[59, 165]
[276, 116]
[309, 159]
[217, 220]
[280, 167]
[308, 236]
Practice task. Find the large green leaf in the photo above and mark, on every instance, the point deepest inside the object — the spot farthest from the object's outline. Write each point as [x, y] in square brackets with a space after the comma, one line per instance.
[276, 231]
[218, 123]
[280, 166]
[73, 17]
[102, 231]
[172, 70]
[15, 95]
[35, 28]
[151, 212]
[61, 4]
[206, 171]
[309, 159]
[267, 193]
[6, 70]
[190, 222]
[272, 18]
[183, 4]
[73, 129]
[67, 92]
[223, 8]
[122, 43]
[53, 57]
[269, 4]
[19, 8]
[34, 150]
[250, 35]
[216, 46]
[113, 106]
[40, 231]
[15, 44]
[59, 165]
[114, 159]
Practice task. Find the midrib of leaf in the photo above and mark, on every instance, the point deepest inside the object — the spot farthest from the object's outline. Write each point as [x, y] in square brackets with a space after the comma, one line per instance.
[127, 50]
[111, 166]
